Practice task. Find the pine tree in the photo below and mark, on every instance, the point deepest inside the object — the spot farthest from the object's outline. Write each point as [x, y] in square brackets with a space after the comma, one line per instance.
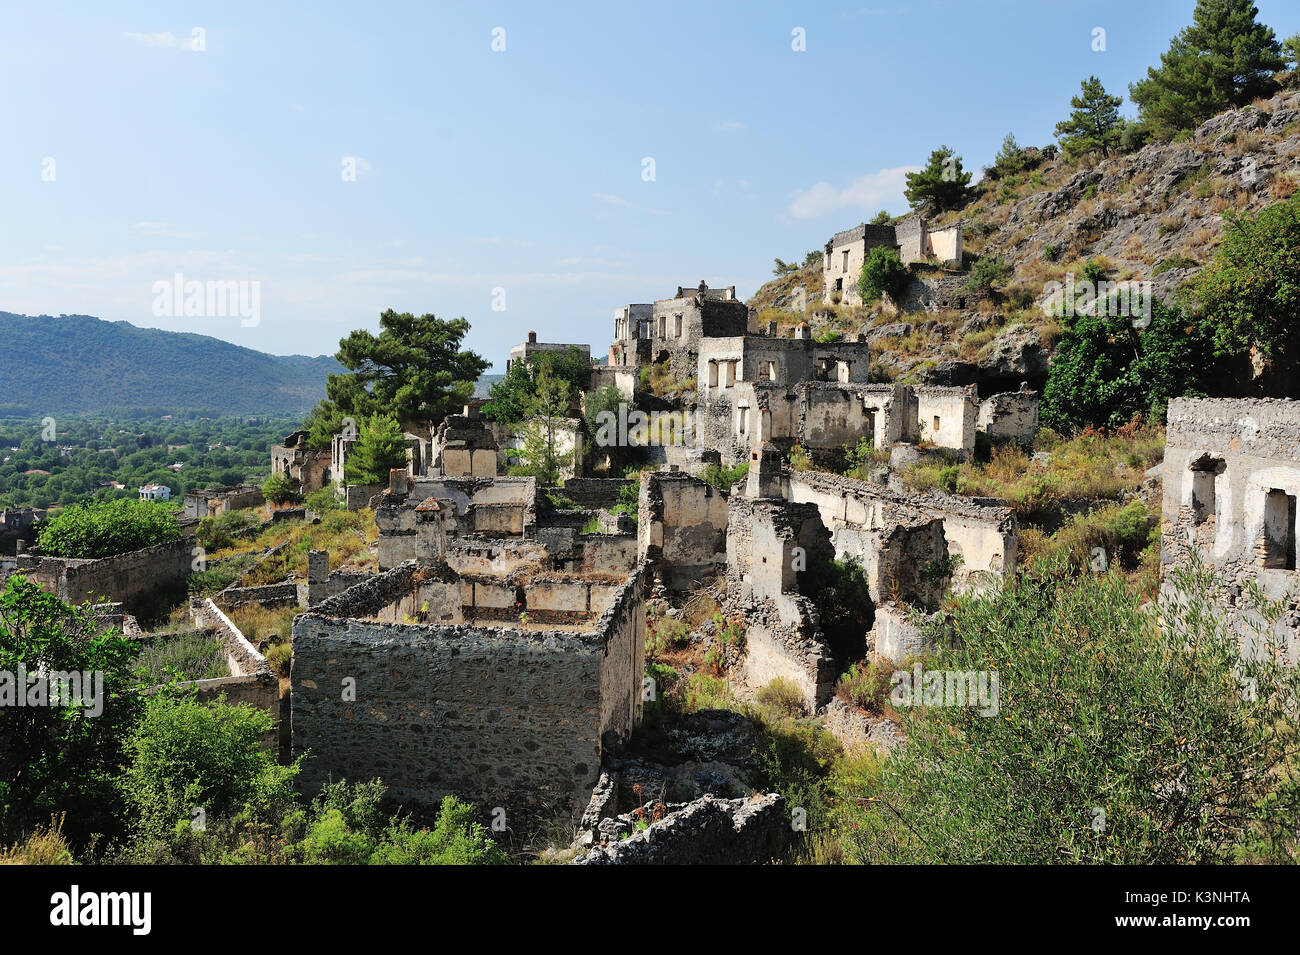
[942, 181]
[1224, 59]
[1011, 158]
[548, 410]
[1094, 124]
[380, 447]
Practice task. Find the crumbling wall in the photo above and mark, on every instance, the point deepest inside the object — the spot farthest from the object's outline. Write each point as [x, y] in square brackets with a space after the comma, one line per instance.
[984, 538]
[771, 546]
[708, 831]
[251, 680]
[1010, 416]
[682, 527]
[423, 517]
[508, 716]
[1231, 478]
[125, 578]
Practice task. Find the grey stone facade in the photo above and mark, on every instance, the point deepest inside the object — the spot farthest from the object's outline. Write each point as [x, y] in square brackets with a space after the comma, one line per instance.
[1231, 479]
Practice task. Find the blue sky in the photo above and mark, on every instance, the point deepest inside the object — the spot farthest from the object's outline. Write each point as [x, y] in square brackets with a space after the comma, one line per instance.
[478, 170]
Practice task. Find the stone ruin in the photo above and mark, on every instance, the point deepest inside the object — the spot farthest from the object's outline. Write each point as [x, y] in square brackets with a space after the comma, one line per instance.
[913, 239]
[1231, 479]
[506, 690]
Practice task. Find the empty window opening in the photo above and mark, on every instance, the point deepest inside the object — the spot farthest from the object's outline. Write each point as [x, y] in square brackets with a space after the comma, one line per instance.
[936, 424]
[713, 374]
[677, 326]
[846, 262]
[1205, 472]
[1279, 530]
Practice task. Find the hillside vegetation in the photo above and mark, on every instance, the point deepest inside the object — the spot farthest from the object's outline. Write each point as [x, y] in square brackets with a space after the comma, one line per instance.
[1157, 214]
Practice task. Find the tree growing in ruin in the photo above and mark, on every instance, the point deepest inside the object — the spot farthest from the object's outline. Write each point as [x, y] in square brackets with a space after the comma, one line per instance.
[546, 415]
[379, 448]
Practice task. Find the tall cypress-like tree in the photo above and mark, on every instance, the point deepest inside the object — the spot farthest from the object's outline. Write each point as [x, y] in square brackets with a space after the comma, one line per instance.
[1094, 124]
[1224, 59]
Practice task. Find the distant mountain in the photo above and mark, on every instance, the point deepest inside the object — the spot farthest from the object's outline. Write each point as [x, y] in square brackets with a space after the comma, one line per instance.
[485, 383]
[76, 363]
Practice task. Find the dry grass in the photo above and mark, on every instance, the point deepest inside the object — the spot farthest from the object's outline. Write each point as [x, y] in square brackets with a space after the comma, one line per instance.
[265, 626]
[348, 536]
[43, 847]
[1095, 465]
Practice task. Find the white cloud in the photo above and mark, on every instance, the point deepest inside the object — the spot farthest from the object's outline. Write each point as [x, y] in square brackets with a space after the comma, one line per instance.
[869, 192]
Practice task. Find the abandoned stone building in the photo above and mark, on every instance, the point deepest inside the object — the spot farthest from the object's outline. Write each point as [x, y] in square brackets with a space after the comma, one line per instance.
[217, 501]
[505, 690]
[533, 347]
[737, 416]
[912, 238]
[671, 330]
[913, 548]
[304, 467]
[1231, 479]
[464, 446]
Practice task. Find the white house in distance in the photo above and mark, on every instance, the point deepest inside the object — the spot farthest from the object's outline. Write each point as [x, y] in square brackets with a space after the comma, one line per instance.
[155, 492]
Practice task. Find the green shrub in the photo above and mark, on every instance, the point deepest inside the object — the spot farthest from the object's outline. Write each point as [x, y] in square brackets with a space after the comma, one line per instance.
[722, 477]
[1174, 262]
[987, 273]
[324, 500]
[783, 696]
[189, 656]
[185, 755]
[106, 529]
[866, 686]
[882, 272]
[219, 533]
[1121, 736]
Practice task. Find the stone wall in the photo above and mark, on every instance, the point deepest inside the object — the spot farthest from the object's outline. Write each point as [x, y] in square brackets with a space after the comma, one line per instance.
[251, 680]
[266, 595]
[1010, 416]
[945, 416]
[681, 527]
[772, 548]
[509, 716]
[593, 492]
[1231, 478]
[126, 578]
[984, 537]
[935, 292]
